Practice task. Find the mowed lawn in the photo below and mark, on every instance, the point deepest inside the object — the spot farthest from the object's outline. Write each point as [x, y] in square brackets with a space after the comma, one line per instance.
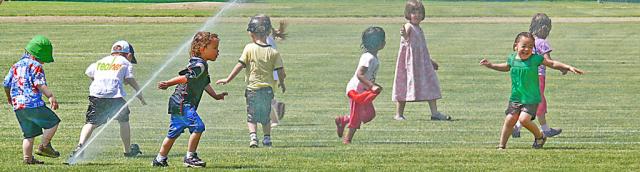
[597, 110]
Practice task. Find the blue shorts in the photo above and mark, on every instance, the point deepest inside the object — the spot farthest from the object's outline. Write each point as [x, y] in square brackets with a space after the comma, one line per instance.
[190, 119]
[33, 120]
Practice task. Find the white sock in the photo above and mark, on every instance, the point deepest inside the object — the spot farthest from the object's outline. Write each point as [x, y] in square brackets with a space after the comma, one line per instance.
[253, 136]
[545, 127]
[190, 154]
[160, 158]
[518, 125]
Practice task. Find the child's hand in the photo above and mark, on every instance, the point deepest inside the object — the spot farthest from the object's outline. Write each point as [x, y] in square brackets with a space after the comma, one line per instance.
[9, 101]
[220, 96]
[485, 62]
[576, 70]
[403, 32]
[54, 103]
[163, 85]
[376, 88]
[435, 65]
[222, 81]
[281, 85]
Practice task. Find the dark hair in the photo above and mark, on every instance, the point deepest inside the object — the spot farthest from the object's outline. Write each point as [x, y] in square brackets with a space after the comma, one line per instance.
[413, 6]
[372, 38]
[201, 40]
[523, 34]
[540, 25]
[260, 25]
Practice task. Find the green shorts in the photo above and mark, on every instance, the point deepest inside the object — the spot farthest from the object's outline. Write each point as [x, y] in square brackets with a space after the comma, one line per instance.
[259, 105]
[33, 120]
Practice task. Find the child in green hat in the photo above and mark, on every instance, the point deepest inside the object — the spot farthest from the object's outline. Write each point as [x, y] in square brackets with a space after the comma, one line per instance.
[24, 85]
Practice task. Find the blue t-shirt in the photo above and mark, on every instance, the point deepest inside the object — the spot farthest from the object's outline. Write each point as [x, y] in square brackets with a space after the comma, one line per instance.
[23, 79]
[190, 93]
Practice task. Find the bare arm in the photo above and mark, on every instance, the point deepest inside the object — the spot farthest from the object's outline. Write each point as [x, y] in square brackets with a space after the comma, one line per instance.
[561, 66]
[134, 84]
[281, 76]
[503, 67]
[171, 82]
[213, 94]
[232, 75]
[371, 85]
[7, 91]
[52, 99]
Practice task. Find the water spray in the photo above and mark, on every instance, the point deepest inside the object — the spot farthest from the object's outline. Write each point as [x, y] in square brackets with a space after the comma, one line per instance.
[210, 22]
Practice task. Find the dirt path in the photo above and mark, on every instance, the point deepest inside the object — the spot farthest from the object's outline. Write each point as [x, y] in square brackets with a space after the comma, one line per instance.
[341, 20]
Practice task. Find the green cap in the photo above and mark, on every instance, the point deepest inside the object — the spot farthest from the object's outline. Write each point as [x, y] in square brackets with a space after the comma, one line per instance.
[41, 48]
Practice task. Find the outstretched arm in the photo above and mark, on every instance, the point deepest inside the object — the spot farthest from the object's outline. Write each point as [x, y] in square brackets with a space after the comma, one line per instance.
[173, 81]
[232, 75]
[503, 67]
[134, 84]
[52, 99]
[213, 94]
[561, 66]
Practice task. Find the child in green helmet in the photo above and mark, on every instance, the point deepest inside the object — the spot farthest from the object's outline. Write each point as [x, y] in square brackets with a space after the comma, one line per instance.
[24, 85]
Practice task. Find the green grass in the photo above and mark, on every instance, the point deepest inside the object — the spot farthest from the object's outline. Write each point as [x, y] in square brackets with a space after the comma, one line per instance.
[598, 111]
[333, 8]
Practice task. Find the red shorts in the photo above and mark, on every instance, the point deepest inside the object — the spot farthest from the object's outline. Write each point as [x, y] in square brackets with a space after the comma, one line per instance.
[362, 110]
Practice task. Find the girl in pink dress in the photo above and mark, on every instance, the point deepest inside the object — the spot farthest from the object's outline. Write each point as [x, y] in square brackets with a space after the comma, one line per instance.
[416, 78]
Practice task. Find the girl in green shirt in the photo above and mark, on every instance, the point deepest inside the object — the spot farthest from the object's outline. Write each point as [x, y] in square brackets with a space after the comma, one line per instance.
[522, 66]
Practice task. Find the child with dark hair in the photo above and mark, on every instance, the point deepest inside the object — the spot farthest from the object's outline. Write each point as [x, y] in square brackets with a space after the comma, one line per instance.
[416, 79]
[24, 86]
[362, 89]
[522, 66]
[184, 102]
[260, 59]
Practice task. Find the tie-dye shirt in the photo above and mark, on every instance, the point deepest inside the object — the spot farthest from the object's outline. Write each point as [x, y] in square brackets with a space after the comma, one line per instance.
[23, 80]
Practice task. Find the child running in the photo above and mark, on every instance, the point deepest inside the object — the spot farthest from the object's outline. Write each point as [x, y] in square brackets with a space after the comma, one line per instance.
[106, 96]
[184, 102]
[24, 86]
[277, 112]
[416, 79]
[522, 65]
[540, 28]
[362, 89]
[260, 59]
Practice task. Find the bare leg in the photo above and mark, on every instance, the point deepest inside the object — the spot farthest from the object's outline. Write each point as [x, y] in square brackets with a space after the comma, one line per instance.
[400, 108]
[507, 128]
[194, 140]
[252, 127]
[433, 107]
[166, 146]
[87, 129]
[27, 148]
[347, 140]
[125, 135]
[266, 129]
[48, 135]
[525, 120]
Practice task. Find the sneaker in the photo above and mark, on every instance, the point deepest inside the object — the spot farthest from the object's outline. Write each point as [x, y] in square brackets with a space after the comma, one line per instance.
[162, 163]
[253, 143]
[194, 161]
[440, 117]
[135, 150]
[516, 132]
[47, 151]
[552, 132]
[33, 160]
[399, 118]
[340, 126]
[501, 147]
[539, 142]
[73, 155]
[266, 142]
[280, 110]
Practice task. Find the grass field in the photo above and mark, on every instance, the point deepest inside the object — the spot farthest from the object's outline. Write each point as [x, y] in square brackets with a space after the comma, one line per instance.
[598, 111]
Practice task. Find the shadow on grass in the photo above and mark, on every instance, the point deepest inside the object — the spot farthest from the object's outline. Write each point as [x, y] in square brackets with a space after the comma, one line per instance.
[93, 164]
[296, 125]
[302, 146]
[239, 167]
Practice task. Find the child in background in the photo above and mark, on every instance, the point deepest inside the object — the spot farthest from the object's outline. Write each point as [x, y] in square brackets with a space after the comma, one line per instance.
[540, 28]
[362, 89]
[522, 65]
[416, 78]
[277, 112]
[184, 102]
[260, 59]
[106, 95]
[24, 85]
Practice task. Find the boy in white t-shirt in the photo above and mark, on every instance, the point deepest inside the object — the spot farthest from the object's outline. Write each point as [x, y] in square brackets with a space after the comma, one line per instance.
[106, 96]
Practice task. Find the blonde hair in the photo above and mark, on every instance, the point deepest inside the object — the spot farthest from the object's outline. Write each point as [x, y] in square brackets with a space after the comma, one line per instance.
[540, 25]
[413, 6]
[201, 40]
